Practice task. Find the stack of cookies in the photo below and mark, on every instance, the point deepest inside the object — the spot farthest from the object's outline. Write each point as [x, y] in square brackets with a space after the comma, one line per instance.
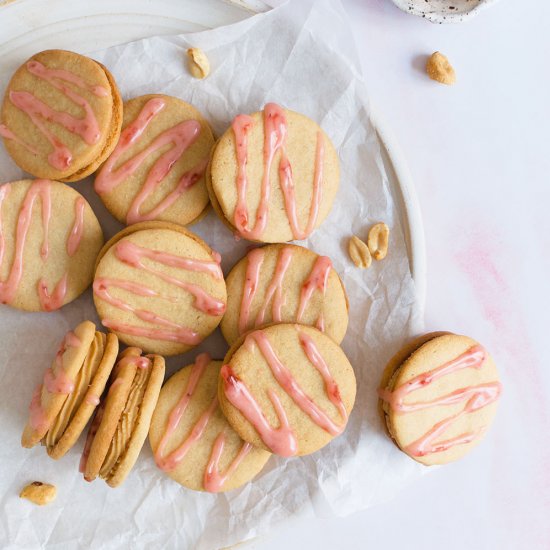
[285, 386]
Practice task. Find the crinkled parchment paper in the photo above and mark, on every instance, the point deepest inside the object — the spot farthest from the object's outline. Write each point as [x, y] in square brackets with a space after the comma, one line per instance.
[302, 56]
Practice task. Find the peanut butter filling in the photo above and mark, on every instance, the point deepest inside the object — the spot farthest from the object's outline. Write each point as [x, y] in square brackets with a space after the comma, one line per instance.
[74, 399]
[126, 424]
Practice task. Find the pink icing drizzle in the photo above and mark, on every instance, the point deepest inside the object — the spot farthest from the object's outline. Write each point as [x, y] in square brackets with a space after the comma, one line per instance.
[177, 333]
[181, 137]
[318, 279]
[75, 236]
[8, 288]
[6, 133]
[275, 289]
[176, 414]
[92, 398]
[87, 128]
[132, 254]
[476, 397]
[275, 134]
[58, 383]
[214, 480]
[283, 441]
[4, 192]
[38, 419]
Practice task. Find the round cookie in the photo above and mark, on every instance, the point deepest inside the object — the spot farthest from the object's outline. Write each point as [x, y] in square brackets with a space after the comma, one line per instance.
[438, 396]
[65, 401]
[121, 422]
[287, 388]
[273, 175]
[61, 115]
[49, 240]
[284, 283]
[191, 439]
[157, 170]
[160, 288]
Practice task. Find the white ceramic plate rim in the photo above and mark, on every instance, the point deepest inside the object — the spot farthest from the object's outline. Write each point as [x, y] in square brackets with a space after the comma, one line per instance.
[446, 17]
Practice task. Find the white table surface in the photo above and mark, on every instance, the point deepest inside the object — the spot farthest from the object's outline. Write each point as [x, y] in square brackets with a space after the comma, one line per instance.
[479, 153]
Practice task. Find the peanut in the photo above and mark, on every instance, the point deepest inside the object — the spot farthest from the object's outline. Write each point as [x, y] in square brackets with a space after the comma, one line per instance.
[378, 239]
[359, 252]
[39, 493]
[439, 68]
[199, 66]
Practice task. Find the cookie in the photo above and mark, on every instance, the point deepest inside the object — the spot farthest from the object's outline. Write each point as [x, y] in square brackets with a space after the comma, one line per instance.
[157, 170]
[283, 283]
[273, 175]
[438, 396]
[160, 288]
[49, 240]
[121, 422]
[61, 115]
[287, 388]
[66, 399]
[191, 439]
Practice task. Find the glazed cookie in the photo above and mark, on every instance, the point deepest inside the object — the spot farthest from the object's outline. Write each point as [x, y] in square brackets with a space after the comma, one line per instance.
[287, 388]
[190, 437]
[156, 171]
[438, 397]
[65, 401]
[284, 283]
[121, 422]
[159, 288]
[273, 175]
[49, 240]
[61, 115]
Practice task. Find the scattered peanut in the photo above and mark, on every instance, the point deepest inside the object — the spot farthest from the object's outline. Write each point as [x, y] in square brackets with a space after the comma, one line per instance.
[359, 252]
[378, 239]
[39, 493]
[199, 66]
[439, 68]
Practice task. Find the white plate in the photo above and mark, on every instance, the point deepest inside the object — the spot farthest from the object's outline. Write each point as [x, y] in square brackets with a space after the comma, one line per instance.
[83, 26]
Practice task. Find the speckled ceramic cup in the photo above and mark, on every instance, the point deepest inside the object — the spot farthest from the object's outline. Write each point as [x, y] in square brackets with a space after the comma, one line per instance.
[443, 11]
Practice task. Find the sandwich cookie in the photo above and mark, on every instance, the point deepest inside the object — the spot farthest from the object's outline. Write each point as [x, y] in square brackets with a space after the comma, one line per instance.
[287, 388]
[160, 287]
[191, 439]
[61, 115]
[273, 175]
[438, 396]
[62, 405]
[49, 240]
[284, 283]
[121, 422]
[157, 170]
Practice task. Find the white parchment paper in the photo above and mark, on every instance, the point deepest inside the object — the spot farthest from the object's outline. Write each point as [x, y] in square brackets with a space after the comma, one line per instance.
[300, 55]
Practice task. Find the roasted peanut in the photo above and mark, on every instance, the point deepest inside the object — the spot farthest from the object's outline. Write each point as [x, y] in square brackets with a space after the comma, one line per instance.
[439, 68]
[378, 239]
[39, 493]
[199, 66]
[359, 252]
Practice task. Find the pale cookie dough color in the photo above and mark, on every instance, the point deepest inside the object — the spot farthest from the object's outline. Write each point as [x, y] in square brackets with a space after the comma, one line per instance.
[191, 439]
[120, 425]
[49, 240]
[62, 405]
[282, 283]
[273, 175]
[160, 288]
[287, 388]
[157, 170]
[439, 397]
[61, 115]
